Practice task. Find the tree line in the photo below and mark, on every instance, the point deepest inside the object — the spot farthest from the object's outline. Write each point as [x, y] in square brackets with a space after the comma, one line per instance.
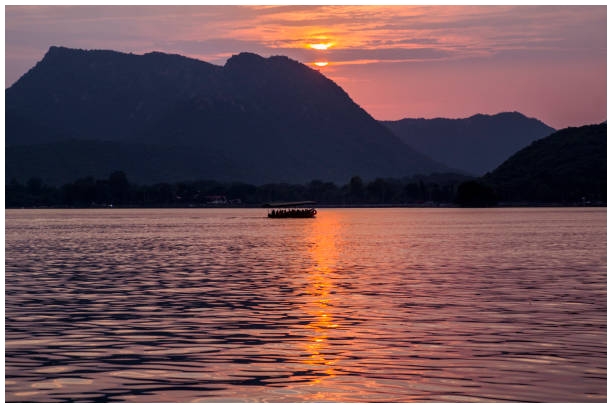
[118, 191]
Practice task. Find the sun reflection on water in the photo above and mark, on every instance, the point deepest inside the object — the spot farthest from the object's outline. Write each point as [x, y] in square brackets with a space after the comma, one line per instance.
[321, 291]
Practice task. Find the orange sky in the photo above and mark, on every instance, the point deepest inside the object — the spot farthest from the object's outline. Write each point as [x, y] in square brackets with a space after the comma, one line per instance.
[547, 62]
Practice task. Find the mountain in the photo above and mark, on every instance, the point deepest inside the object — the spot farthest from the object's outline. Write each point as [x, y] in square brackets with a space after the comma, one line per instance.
[568, 166]
[476, 144]
[162, 117]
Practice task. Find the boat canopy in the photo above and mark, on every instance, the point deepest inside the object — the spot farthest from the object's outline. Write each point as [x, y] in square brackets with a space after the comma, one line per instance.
[288, 204]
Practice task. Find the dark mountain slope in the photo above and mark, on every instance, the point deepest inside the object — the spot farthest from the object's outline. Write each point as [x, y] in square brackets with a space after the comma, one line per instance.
[101, 95]
[564, 167]
[62, 162]
[476, 144]
[255, 119]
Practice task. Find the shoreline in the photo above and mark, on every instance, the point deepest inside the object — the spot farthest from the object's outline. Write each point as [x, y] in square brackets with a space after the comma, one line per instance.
[331, 205]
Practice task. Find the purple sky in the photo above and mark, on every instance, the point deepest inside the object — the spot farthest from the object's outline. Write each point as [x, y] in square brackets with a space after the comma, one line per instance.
[548, 62]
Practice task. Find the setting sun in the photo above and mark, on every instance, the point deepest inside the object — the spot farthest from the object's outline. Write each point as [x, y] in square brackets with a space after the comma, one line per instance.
[321, 46]
[321, 63]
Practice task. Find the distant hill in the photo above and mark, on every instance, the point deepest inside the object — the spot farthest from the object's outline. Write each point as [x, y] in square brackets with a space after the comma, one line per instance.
[161, 117]
[476, 144]
[568, 166]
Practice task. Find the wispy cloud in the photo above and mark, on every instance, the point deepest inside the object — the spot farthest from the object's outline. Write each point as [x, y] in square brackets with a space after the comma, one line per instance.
[459, 31]
[364, 37]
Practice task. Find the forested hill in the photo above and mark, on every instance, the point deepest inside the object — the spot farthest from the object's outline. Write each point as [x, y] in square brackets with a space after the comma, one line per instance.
[164, 118]
[566, 167]
[476, 144]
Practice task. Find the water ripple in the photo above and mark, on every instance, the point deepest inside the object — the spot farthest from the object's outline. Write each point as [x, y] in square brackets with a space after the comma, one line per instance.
[394, 305]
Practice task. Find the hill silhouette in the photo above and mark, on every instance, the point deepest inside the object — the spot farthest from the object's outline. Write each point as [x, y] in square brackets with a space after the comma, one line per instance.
[566, 167]
[162, 117]
[476, 144]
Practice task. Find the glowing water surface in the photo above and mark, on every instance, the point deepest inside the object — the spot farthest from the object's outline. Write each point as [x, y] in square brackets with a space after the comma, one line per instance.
[355, 305]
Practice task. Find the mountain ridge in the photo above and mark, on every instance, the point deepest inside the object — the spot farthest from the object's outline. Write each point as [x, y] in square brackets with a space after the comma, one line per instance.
[568, 166]
[475, 144]
[272, 119]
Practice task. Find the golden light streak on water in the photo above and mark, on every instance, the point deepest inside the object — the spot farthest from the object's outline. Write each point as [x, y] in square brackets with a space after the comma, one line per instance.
[321, 306]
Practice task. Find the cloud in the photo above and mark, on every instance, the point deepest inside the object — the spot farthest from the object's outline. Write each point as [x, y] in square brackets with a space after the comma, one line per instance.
[218, 30]
[370, 42]
[388, 54]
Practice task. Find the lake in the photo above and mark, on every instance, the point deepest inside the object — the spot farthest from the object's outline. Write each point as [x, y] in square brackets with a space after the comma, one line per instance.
[356, 305]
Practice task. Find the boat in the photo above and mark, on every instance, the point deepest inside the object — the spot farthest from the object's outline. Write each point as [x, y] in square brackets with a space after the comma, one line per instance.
[289, 210]
[293, 213]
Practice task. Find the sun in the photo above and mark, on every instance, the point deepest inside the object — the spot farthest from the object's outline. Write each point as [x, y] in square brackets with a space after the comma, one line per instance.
[321, 46]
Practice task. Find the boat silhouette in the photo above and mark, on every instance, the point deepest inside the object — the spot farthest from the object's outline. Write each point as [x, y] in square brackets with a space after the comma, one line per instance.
[290, 210]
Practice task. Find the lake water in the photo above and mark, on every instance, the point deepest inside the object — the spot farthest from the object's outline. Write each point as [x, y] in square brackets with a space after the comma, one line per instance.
[356, 305]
